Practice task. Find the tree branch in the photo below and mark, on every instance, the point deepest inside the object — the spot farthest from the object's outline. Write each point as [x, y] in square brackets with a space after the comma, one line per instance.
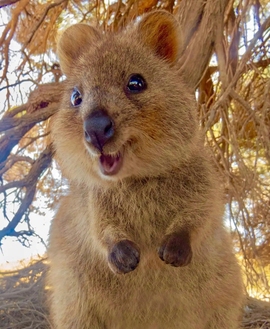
[4, 3]
[241, 68]
[48, 8]
[201, 24]
[43, 102]
[12, 137]
[30, 183]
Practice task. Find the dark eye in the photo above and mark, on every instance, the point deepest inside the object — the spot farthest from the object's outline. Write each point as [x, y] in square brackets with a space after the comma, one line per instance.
[76, 97]
[136, 84]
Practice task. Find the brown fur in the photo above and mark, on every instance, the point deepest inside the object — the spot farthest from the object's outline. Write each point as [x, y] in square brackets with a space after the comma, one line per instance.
[162, 208]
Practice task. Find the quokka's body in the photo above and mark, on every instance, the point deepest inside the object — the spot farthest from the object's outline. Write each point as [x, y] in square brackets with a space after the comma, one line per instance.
[138, 243]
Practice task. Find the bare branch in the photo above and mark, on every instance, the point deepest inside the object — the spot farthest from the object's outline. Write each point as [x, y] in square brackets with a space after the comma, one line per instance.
[4, 3]
[48, 8]
[12, 137]
[241, 68]
[201, 23]
[30, 182]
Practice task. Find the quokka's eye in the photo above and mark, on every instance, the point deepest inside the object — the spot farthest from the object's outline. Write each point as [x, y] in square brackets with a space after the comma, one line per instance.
[76, 97]
[136, 84]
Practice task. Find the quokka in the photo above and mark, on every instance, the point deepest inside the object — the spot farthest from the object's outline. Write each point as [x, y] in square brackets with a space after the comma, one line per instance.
[138, 242]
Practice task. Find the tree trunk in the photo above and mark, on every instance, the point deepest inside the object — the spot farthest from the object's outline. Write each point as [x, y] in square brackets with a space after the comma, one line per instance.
[200, 21]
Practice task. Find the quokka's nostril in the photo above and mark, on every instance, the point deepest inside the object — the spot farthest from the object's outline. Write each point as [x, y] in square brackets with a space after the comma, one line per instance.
[109, 130]
[87, 137]
[98, 129]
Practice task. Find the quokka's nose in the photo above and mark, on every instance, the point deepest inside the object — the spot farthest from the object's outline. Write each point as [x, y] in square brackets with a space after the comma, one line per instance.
[98, 128]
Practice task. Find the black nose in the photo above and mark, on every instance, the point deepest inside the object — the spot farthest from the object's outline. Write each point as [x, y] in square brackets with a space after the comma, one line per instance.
[98, 128]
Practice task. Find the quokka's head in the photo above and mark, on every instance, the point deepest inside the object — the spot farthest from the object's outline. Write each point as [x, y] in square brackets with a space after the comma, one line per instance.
[125, 111]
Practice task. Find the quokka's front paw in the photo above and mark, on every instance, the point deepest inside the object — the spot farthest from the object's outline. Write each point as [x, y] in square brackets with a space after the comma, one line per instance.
[124, 257]
[175, 249]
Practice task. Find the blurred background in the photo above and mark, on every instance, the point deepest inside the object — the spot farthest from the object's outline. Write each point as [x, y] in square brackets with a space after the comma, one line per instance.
[233, 106]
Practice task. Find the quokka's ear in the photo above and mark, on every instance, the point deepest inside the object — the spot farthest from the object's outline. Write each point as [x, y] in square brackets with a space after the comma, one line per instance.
[72, 42]
[161, 32]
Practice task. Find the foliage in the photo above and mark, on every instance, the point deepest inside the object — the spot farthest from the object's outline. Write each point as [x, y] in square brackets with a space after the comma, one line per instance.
[233, 93]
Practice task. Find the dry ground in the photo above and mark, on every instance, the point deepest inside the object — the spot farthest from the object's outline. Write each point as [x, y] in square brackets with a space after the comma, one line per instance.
[22, 301]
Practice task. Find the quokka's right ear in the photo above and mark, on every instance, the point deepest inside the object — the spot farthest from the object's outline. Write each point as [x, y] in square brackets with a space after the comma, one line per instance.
[160, 31]
[72, 42]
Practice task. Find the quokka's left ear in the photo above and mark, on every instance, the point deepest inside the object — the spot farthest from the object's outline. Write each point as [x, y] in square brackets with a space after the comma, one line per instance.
[161, 32]
[73, 41]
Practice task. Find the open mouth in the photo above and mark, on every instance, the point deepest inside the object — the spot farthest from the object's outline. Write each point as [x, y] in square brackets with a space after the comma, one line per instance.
[110, 164]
